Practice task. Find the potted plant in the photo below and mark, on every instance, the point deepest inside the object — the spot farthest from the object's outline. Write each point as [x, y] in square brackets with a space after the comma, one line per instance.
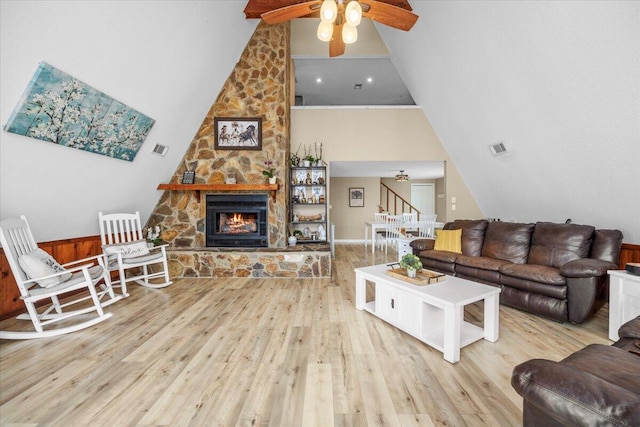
[308, 160]
[153, 236]
[270, 171]
[412, 263]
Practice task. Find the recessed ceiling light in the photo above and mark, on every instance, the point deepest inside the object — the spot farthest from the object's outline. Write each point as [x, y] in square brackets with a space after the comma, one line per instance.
[319, 80]
[369, 79]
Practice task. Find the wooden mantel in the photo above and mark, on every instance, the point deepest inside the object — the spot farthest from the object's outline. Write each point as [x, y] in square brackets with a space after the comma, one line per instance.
[197, 188]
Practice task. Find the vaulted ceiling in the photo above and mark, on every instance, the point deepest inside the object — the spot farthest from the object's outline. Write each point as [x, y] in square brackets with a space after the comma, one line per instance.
[556, 82]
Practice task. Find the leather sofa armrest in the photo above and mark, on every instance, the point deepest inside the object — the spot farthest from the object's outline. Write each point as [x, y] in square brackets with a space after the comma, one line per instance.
[573, 396]
[630, 329]
[586, 267]
[419, 245]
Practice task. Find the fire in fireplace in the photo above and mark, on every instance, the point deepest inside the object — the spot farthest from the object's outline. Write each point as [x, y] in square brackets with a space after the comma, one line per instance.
[237, 220]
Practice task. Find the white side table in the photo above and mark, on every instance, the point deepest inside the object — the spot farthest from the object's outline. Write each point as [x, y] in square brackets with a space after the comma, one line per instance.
[404, 246]
[624, 300]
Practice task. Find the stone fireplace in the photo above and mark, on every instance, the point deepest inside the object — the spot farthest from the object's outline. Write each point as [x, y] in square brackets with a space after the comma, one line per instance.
[258, 87]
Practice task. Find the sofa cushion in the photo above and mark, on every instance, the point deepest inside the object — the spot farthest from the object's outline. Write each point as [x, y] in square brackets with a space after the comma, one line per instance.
[472, 234]
[442, 256]
[507, 241]
[609, 363]
[448, 240]
[535, 273]
[554, 245]
[607, 245]
[481, 262]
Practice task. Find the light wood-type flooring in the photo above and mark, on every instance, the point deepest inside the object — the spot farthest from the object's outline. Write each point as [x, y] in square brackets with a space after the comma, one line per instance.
[272, 352]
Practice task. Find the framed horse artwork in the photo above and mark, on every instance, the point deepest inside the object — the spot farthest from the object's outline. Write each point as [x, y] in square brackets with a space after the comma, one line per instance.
[238, 133]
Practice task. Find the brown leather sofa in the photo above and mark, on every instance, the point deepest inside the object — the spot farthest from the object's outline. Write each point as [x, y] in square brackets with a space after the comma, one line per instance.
[558, 271]
[596, 386]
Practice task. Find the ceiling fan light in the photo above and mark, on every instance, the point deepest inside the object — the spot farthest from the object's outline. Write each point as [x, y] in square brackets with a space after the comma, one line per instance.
[329, 11]
[349, 34]
[325, 31]
[353, 13]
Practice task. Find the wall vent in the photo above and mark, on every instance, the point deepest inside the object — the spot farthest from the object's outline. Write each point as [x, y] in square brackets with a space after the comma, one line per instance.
[160, 149]
[498, 149]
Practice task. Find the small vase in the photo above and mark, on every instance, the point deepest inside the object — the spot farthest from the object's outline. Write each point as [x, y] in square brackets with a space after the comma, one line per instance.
[411, 272]
[272, 180]
[292, 240]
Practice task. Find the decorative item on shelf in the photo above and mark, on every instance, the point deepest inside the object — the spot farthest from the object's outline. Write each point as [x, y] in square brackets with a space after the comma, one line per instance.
[230, 177]
[412, 263]
[308, 161]
[318, 158]
[320, 180]
[322, 234]
[188, 177]
[295, 159]
[321, 199]
[270, 170]
[292, 240]
[308, 180]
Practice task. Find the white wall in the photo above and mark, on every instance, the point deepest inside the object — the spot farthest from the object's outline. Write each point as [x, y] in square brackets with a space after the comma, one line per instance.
[558, 82]
[167, 59]
[364, 134]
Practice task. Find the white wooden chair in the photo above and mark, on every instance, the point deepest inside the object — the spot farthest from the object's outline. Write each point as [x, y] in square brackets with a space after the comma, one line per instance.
[125, 246]
[427, 226]
[42, 281]
[380, 218]
[393, 226]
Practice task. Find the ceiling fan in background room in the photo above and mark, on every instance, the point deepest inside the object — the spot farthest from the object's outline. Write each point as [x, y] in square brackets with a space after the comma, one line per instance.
[338, 19]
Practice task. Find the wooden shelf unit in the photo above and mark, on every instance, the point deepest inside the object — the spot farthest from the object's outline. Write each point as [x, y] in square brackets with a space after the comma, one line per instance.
[197, 188]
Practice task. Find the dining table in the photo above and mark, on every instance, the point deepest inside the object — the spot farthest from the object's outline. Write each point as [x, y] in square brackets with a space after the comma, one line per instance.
[374, 227]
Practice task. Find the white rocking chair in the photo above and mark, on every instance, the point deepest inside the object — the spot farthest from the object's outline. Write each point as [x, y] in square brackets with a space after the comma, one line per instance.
[40, 279]
[124, 244]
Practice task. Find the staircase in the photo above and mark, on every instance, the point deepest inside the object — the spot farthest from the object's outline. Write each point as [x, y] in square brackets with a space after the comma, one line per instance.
[392, 202]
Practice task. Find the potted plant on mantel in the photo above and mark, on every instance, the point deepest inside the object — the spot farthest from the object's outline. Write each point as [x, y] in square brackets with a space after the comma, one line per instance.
[270, 171]
[411, 263]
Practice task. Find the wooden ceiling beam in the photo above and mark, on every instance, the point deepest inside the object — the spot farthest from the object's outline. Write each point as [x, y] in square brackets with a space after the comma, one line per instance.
[255, 8]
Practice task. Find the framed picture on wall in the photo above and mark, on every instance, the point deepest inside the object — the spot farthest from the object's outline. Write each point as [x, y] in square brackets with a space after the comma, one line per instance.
[237, 133]
[356, 197]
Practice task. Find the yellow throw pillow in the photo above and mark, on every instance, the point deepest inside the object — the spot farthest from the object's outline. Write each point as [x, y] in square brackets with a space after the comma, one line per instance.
[449, 240]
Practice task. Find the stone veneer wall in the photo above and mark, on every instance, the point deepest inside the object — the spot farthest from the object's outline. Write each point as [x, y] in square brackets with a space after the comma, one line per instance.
[257, 87]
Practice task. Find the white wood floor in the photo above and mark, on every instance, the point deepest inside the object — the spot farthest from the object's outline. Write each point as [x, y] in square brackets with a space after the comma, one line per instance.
[273, 352]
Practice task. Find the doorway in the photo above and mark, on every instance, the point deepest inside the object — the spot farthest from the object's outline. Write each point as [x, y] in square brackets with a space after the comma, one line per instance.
[423, 198]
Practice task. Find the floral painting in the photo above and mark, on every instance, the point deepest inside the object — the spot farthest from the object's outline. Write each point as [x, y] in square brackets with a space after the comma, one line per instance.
[62, 110]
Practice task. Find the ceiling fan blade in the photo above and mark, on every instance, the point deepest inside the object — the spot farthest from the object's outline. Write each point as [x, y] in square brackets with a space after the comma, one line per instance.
[336, 45]
[287, 13]
[387, 14]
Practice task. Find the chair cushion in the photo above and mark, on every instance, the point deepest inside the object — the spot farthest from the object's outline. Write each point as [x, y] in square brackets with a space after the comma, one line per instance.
[39, 264]
[449, 240]
[129, 249]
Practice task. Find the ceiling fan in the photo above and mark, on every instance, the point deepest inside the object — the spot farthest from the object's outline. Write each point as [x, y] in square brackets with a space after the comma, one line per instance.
[339, 19]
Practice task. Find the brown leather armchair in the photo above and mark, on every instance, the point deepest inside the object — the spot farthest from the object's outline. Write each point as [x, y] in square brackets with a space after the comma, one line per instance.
[596, 386]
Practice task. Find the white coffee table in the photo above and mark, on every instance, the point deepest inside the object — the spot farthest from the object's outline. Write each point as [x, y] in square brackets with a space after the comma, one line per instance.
[433, 313]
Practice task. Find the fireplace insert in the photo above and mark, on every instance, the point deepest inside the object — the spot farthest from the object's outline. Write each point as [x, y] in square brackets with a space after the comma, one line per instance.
[237, 220]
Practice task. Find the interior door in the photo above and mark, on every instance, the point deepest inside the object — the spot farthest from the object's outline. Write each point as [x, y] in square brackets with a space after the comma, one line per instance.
[423, 198]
